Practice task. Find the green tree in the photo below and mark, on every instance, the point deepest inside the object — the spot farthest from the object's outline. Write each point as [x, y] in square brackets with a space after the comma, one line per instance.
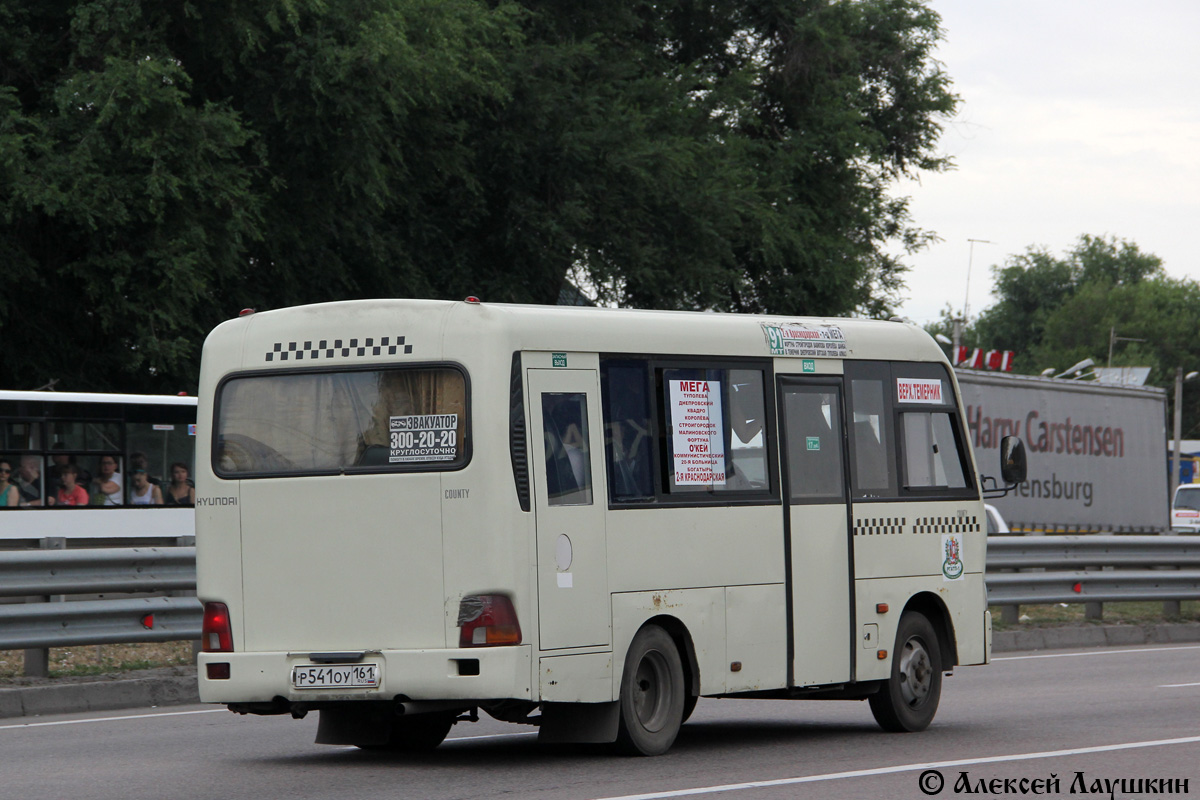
[164, 164]
[1056, 312]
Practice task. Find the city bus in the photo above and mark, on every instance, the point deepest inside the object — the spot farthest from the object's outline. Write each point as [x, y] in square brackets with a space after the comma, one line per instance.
[43, 432]
[583, 519]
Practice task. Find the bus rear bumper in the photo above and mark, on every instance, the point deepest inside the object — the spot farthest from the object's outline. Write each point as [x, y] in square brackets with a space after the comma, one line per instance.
[419, 675]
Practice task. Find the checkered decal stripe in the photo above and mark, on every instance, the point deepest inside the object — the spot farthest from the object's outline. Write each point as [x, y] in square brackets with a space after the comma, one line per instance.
[879, 527]
[338, 348]
[946, 525]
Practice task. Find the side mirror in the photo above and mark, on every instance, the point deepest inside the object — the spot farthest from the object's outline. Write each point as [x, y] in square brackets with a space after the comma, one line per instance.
[1012, 460]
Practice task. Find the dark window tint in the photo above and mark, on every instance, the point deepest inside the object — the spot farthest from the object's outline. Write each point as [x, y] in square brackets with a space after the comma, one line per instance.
[629, 437]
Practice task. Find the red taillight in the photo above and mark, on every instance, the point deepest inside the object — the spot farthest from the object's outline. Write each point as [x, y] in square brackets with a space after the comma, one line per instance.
[216, 635]
[487, 620]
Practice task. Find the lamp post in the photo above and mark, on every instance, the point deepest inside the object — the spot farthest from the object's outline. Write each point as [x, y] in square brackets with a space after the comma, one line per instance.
[1178, 432]
[961, 322]
[1113, 339]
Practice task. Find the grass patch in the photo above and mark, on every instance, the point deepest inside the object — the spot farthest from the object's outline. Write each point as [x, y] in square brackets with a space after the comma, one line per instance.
[1048, 616]
[67, 662]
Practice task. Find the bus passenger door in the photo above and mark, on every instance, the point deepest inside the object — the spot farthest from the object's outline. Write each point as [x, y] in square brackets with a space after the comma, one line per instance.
[570, 496]
[817, 529]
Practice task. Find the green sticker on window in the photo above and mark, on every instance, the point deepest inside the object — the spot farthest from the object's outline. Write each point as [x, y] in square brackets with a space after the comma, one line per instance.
[808, 365]
[560, 359]
[813, 442]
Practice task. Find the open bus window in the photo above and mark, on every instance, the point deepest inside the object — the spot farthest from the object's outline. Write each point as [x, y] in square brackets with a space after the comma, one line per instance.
[568, 454]
[311, 423]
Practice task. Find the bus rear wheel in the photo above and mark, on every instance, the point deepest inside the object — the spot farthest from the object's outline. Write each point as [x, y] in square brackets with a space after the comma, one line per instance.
[652, 694]
[909, 698]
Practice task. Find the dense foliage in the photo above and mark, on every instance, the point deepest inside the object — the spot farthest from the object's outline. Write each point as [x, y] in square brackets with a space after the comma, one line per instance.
[164, 164]
[1056, 311]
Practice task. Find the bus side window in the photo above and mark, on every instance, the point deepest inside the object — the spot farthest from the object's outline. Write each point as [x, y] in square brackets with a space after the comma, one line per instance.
[568, 453]
[871, 440]
[628, 435]
[930, 453]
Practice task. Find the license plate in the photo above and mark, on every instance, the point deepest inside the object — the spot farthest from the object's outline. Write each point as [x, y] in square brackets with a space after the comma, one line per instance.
[335, 676]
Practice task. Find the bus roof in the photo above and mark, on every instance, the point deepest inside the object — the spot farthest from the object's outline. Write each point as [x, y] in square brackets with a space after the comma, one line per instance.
[330, 331]
[97, 397]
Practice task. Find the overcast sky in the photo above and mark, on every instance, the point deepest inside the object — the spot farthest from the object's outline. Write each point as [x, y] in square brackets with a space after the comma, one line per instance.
[1077, 116]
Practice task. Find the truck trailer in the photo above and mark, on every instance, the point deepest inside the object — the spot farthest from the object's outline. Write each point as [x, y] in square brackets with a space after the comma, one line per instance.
[1095, 451]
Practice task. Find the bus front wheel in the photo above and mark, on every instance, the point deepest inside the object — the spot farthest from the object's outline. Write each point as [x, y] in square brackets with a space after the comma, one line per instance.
[909, 698]
[652, 694]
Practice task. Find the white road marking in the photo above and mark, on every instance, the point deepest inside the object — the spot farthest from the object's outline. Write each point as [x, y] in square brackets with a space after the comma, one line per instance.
[1177, 685]
[488, 736]
[866, 773]
[452, 739]
[1099, 653]
[108, 719]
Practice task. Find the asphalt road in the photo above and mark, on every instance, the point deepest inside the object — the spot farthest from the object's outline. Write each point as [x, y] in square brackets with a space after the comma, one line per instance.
[1111, 714]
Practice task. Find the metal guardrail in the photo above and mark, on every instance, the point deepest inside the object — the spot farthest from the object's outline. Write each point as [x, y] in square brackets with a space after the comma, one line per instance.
[1021, 570]
[40, 574]
[1096, 568]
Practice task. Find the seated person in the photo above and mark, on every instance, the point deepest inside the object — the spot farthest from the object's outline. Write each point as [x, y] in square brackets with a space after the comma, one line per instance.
[69, 493]
[179, 491]
[143, 492]
[10, 497]
[106, 487]
[54, 471]
[29, 481]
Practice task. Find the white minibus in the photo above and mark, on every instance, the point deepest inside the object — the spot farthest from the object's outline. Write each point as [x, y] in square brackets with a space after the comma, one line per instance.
[583, 519]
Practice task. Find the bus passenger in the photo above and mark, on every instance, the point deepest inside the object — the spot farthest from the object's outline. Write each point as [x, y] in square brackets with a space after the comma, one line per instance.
[70, 493]
[138, 460]
[54, 471]
[106, 487]
[9, 496]
[179, 491]
[143, 492]
[29, 481]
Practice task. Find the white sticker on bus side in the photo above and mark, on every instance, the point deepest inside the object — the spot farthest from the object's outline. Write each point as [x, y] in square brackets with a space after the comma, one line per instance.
[919, 390]
[698, 440]
[952, 557]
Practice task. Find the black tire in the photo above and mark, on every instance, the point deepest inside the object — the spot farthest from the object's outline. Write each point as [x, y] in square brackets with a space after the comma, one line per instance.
[417, 734]
[652, 694]
[908, 700]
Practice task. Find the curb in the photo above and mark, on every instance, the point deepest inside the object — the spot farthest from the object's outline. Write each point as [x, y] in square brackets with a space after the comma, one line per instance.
[101, 695]
[179, 687]
[1066, 638]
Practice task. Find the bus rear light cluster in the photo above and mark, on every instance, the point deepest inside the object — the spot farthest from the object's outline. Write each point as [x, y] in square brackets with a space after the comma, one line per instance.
[216, 634]
[487, 620]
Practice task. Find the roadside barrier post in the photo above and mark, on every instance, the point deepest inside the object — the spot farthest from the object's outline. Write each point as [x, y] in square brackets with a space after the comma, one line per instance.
[37, 660]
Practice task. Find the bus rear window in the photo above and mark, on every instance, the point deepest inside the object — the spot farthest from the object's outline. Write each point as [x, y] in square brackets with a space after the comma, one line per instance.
[306, 423]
